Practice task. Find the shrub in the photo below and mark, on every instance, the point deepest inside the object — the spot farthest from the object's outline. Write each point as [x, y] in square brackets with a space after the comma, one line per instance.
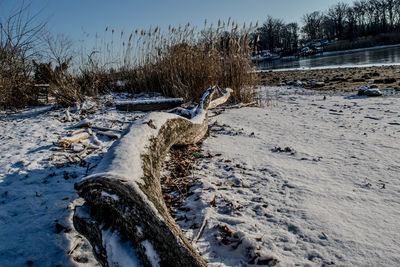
[18, 35]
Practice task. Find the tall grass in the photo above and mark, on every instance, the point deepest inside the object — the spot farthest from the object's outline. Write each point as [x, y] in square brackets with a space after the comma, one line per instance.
[180, 62]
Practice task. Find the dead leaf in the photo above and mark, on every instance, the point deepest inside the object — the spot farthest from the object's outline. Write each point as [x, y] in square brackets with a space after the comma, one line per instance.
[212, 202]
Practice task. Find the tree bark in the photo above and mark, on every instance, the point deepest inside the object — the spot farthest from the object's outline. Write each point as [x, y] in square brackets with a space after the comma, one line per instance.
[125, 191]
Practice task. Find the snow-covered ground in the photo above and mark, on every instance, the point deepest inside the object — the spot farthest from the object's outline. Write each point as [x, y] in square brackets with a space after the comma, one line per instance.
[306, 180]
[37, 179]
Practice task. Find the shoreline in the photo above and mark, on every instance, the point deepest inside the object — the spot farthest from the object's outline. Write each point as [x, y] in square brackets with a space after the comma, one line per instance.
[340, 52]
[347, 51]
[332, 67]
[343, 78]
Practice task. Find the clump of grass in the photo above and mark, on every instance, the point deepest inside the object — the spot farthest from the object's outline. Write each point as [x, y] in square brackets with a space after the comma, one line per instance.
[15, 82]
[65, 89]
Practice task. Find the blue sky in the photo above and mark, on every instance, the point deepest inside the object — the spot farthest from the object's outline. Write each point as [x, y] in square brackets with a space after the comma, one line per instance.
[74, 17]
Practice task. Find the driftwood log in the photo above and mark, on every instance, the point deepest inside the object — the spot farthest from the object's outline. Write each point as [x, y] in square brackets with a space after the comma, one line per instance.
[124, 192]
[149, 105]
[74, 139]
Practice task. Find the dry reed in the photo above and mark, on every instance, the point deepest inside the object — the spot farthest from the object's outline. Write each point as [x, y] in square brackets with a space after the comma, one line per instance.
[179, 62]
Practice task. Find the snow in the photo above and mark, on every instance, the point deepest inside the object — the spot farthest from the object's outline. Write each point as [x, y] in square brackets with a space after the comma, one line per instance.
[28, 112]
[123, 161]
[37, 185]
[83, 123]
[119, 254]
[303, 180]
[139, 231]
[113, 196]
[152, 255]
[83, 212]
[307, 179]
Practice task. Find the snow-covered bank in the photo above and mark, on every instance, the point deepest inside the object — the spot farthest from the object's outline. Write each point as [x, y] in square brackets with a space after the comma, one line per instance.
[310, 179]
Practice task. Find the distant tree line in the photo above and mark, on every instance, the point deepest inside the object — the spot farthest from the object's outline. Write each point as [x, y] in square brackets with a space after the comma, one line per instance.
[274, 33]
[340, 22]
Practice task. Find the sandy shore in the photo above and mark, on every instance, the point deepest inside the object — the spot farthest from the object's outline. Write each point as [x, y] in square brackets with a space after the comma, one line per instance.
[349, 79]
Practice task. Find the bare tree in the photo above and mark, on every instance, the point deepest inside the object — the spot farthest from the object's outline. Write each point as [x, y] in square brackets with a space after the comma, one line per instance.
[337, 14]
[359, 8]
[275, 34]
[341, 21]
[291, 37]
[59, 48]
[351, 29]
[19, 37]
[313, 25]
[397, 14]
[390, 7]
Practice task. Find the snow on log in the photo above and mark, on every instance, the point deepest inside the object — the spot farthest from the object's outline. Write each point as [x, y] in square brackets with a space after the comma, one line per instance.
[83, 124]
[224, 97]
[124, 192]
[77, 132]
[109, 134]
[149, 105]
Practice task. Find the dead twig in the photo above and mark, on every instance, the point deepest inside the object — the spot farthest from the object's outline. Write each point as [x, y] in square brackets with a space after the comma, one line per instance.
[198, 235]
[75, 246]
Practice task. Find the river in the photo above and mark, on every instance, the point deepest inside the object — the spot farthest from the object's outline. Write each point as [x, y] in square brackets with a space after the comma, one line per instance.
[367, 57]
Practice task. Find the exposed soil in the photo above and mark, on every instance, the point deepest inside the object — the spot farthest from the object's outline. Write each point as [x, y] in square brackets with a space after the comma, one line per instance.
[177, 178]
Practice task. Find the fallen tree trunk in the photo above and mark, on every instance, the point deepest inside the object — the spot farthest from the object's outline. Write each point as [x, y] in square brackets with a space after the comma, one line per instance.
[109, 134]
[125, 193]
[149, 105]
